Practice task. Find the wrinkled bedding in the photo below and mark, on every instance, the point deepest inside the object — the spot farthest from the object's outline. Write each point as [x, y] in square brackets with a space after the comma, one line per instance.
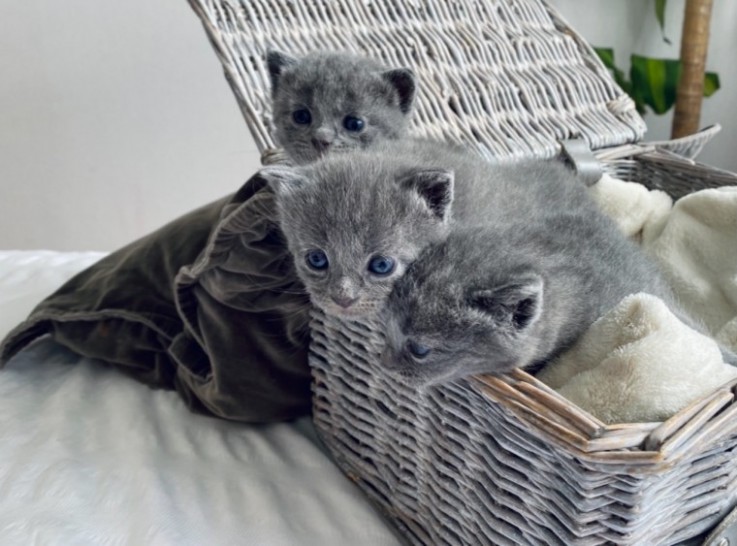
[91, 457]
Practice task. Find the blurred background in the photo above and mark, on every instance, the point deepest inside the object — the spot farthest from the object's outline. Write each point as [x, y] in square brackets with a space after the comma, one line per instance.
[115, 117]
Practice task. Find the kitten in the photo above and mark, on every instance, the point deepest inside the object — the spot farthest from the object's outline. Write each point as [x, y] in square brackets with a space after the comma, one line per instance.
[354, 223]
[334, 102]
[494, 296]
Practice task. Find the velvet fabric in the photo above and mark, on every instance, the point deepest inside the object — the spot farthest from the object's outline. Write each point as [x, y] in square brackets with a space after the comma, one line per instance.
[208, 305]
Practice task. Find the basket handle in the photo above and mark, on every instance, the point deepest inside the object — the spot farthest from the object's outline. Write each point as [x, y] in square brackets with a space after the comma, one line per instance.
[577, 152]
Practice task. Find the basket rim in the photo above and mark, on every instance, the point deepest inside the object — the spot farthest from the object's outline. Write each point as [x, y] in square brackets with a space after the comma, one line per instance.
[656, 444]
[643, 448]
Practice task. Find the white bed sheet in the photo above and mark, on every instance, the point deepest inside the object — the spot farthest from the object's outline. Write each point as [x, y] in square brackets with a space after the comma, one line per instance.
[91, 457]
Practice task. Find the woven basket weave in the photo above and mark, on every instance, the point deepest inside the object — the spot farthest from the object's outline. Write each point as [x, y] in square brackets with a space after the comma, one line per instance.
[506, 460]
[493, 460]
[508, 77]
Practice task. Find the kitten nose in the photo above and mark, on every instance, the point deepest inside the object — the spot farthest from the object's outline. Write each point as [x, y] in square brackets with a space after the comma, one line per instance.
[344, 301]
[321, 144]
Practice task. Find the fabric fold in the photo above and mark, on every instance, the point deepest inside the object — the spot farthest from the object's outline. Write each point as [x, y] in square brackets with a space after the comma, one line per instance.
[208, 305]
[638, 363]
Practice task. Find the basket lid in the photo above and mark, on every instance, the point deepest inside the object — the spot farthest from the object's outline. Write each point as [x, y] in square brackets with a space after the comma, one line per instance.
[509, 77]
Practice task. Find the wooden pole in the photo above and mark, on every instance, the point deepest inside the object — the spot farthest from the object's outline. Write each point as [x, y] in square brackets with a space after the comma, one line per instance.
[694, 46]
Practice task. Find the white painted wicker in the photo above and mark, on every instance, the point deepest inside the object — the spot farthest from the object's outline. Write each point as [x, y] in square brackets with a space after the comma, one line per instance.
[493, 460]
[507, 461]
[510, 74]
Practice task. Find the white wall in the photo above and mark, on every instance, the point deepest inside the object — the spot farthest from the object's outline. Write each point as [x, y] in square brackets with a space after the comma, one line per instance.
[115, 116]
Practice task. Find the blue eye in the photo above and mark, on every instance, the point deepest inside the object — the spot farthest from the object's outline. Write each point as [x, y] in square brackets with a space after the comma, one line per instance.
[381, 265]
[353, 124]
[302, 116]
[417, 350]
[317, 259]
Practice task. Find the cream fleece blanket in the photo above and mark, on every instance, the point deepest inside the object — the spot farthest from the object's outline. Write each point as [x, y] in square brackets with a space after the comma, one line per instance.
[696, 245]
[640, 362]
[632, 206]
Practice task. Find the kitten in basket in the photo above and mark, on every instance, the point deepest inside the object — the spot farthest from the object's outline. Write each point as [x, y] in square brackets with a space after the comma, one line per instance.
[329, 102]
[354, 223]
[498, 295]
[495, 297]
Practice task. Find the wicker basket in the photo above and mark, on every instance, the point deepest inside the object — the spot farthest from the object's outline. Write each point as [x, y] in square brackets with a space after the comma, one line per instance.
[493, 460]
[507, 77]
[506, 460]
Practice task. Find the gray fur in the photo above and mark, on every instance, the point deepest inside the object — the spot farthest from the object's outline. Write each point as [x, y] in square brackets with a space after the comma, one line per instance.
[332, 86]
[355, 207]
[390, 200]
[503, 292]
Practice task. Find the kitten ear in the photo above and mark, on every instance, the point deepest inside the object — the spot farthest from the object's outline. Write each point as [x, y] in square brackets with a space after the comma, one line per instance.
[435, 187]
[282, 179]
[403, 81]
[277, 62]
[517, 304]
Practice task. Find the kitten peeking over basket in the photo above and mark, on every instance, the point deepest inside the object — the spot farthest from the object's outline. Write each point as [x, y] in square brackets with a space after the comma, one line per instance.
[495, 296]
[334, 102]
[354, 222]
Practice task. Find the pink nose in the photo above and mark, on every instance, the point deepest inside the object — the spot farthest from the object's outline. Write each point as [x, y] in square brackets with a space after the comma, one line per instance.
[321, 144]
[343, 301]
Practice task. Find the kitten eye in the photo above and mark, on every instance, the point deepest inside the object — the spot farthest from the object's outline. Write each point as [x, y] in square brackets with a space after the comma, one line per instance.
[317, 259]
[381, 265]
[353, 124]
[417, 350]
[302, 116]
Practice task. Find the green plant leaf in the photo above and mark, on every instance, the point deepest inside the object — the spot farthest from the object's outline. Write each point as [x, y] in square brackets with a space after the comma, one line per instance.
[711, 83]
[656, 81]
[660, 13]
[606, 54]
[652, 82]
[660, 16]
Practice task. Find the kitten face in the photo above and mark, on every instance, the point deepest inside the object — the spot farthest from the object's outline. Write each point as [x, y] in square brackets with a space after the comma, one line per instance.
[353, 226]
[330, 102]
[439, 328]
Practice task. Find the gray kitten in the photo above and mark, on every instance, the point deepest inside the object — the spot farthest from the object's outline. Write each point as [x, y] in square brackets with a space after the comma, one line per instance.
[494, 297]
[336, 102]
[354, 223]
